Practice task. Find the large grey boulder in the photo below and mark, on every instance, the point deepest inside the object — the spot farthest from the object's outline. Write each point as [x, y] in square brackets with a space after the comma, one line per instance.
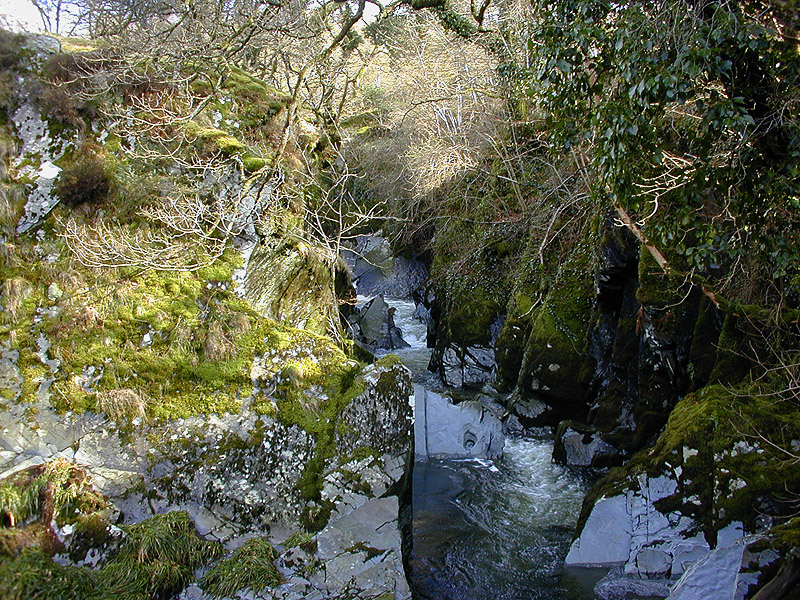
[444, 429]
[628, 530]
[606, 537]
[362, 551]
[721, 573]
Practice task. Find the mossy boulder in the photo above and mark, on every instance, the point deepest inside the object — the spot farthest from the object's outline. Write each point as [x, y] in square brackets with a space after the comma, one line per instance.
[727, 451]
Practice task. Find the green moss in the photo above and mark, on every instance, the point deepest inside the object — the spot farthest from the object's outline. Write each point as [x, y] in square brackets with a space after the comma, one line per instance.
[705, 339]
[302, 540]
[785, 537]
[180, 341]
[388, 361]
[731, 364]
[253, 163]
[731, 445]
[217, 139]
[655, 287]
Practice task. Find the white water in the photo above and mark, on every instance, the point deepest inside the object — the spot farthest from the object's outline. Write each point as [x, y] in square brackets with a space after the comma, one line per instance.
[489, 530]
[415, 333]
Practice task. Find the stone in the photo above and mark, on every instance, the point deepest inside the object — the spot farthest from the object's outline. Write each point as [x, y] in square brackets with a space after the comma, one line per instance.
[713, 576]
[606, 537]
[54, 292]
[653, 562]
[376, 324]
[444, 429]
[617, 586]
[628, 530]
[373, 524]
[466, 367]
[362, 551]
[582, 447]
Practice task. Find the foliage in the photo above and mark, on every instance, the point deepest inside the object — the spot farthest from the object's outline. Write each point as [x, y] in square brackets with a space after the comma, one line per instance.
[34, 575]
[87, 180]
[688, 112]
[58, 489]
[252, 567]
[157, 560]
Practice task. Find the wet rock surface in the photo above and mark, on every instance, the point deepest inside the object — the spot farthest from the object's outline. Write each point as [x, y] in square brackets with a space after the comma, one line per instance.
[582, 446]
[373, 324]
[443, 429]
[376, 270]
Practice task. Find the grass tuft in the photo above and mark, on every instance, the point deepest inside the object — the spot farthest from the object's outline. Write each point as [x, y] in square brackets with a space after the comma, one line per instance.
[252, 567]
[124, 403]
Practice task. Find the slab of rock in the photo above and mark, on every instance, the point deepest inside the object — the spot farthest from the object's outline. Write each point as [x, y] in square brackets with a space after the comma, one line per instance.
[606, 537]
[717, 575]
[628, 530]
[466, 367]
[582, 447]
[374, 325]
[444, 429]
[362, 551]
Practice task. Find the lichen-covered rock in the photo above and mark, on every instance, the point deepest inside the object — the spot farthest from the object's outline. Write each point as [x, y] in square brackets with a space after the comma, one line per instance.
[381, 417]
[206, 382]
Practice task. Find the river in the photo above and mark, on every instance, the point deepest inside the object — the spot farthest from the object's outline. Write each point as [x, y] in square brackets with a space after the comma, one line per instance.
[490, 530]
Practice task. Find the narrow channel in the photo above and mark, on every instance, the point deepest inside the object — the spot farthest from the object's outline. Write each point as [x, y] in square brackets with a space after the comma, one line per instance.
[490, 529]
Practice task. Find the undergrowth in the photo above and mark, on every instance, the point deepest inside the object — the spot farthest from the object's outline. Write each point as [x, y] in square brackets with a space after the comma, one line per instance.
[252, 567]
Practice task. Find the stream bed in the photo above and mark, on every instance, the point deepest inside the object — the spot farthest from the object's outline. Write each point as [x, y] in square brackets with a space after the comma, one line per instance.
[491, 530]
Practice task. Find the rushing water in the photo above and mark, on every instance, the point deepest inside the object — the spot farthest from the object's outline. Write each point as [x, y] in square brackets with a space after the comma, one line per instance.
[494, 530]
[490, 530]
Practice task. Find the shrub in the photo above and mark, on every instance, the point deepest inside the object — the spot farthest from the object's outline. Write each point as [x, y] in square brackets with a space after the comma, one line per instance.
[68, 67]
[61, 104]
[87, 180]
[10, 48]
[15, 290]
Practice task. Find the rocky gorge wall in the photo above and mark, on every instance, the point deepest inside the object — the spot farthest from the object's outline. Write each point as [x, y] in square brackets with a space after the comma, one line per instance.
[155, 403]
[635, 371]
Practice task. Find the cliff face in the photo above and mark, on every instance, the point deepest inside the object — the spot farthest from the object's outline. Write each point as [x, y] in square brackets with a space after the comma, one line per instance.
[638, 370]
[171, 337]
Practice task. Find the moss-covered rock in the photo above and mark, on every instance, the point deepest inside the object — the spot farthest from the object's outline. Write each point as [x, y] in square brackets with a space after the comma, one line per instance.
[727, 451]
[126, 341]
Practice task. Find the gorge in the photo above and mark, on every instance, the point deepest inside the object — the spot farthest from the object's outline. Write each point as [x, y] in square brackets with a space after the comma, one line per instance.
[449, 301]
